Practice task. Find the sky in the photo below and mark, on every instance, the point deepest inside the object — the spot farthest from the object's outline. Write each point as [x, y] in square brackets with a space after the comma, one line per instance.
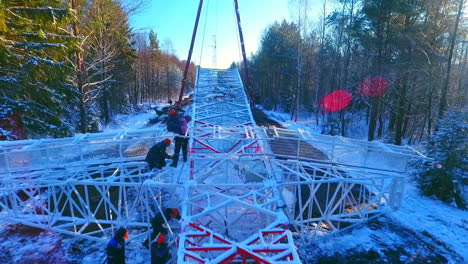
[174, 20]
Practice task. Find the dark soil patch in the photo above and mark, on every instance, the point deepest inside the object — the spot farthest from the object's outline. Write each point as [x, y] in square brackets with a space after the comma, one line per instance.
[27, 245]
[392, 243]
[262, 120]
[23, 230]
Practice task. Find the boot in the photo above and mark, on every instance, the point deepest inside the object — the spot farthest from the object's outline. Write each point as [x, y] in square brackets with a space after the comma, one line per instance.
[175, 160]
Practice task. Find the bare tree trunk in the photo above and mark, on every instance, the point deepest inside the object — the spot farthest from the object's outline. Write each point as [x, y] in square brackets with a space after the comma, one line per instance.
[320, 73]
[411, 133]
[405, 124]
[401, 109]
[343, 128]
[373, 117]
[105, 97]
[376, 100]
[391, 124]
[462, 81]
[79, 72]
[443, 99]
[381, 124]
[429, 105]
[348, 47]
[421, 133]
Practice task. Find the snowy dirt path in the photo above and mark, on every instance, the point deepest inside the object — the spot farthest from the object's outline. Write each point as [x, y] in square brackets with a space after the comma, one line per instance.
[423, 230]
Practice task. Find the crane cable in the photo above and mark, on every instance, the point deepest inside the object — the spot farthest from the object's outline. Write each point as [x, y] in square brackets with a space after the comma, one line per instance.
[236, 29]
[204, 30]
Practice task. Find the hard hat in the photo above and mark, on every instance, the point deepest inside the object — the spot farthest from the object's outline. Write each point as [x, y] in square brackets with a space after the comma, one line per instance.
[175, 213]
[160, 239]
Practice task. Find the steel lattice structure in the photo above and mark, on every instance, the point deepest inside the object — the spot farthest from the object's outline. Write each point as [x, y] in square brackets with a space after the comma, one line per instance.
[246, 192]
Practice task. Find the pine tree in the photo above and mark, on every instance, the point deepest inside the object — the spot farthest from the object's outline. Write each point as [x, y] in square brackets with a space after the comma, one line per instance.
[448, 147]
[34, 46]
[275, 65]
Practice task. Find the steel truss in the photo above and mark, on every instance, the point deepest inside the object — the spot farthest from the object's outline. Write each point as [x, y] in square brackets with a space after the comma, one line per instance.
[241, 199]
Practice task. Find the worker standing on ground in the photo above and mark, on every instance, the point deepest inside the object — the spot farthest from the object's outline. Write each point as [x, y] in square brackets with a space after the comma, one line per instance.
[116, 247]
[158, 222]
[159, 250]
[157, 155]
[178, 125]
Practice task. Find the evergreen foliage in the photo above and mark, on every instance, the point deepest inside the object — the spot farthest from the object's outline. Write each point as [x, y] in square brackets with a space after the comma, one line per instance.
[34, 46]
[448, 147]
[275, 64]
[405, 42]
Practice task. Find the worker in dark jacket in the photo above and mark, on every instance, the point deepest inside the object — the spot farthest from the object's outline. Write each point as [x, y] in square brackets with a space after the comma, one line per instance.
[181, 142]
[116, 247]
[157, 155]
[158, 221]
[179, 125]
[159, 250]
[173, 122]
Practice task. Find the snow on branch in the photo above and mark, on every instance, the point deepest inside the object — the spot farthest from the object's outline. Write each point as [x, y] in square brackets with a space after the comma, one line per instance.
[35, 45]
[36, 60]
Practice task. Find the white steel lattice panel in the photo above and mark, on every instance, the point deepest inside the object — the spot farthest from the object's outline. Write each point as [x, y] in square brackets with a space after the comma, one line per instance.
[244, 192]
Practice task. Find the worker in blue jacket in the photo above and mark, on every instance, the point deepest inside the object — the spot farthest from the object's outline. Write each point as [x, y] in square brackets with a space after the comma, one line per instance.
[116, 247]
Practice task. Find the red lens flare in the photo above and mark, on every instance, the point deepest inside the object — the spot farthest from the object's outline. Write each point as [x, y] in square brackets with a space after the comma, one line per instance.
[336, 101]
[372, 87]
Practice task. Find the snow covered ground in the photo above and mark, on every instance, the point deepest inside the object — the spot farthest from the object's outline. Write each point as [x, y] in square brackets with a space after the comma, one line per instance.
[139, 120]
[423, 230]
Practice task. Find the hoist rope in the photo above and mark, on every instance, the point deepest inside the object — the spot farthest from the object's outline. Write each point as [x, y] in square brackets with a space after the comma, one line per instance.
[204, 30]
[236, 29]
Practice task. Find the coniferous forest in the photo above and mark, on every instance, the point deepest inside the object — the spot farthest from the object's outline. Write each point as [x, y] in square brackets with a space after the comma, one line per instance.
[417, 48]
[69, 66]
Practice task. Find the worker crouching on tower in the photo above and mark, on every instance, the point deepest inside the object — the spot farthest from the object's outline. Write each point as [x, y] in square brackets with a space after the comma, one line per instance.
[179, 125]
[157, 155]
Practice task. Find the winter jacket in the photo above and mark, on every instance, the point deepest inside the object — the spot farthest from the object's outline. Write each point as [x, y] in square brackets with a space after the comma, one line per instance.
[116, 251]
[157, 156]
[157, 223]
[173, 125]
[159, 253]
[184, 124]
